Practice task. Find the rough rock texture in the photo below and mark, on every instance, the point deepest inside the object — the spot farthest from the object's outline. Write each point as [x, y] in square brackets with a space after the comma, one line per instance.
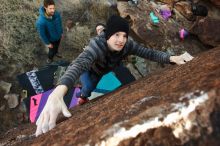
[216, 2]
[184, 8]
[177, 106]
[167, 1]
[165, 35]
[5, 87]
[13, 100]
[208, 32]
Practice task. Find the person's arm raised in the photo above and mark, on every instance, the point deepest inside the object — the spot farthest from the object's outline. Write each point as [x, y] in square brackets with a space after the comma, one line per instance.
[55, 105]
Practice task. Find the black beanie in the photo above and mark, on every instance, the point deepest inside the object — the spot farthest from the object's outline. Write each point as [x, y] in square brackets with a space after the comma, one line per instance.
[115, 24]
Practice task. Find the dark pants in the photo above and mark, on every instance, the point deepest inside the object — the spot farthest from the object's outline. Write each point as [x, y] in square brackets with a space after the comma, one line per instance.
[53, 51]
[89, 82]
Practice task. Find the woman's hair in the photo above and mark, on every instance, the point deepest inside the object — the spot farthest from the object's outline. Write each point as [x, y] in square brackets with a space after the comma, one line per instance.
[48, 2]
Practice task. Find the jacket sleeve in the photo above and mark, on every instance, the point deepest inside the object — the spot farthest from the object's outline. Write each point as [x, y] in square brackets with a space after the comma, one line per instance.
[42, 32]
[147, 53]
[82, 63]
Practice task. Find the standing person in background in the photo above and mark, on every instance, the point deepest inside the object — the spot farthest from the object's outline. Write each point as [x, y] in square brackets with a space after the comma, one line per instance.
[49, 27]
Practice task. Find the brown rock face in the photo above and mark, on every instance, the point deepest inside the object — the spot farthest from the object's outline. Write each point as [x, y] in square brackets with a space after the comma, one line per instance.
[216, 2]
[167, 1]
[139, 26]
[141, 23]
[163, 36]
[177, 106]
[185, 9]
[208, 31]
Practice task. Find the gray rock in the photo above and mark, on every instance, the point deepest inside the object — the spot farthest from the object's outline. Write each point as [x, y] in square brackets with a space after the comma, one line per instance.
[141, 66]
[133, 71]
[12, 100]
[2, 108]
[5, 86]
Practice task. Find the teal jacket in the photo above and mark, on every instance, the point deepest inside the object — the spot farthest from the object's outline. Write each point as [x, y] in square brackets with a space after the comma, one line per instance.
[50, 30]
